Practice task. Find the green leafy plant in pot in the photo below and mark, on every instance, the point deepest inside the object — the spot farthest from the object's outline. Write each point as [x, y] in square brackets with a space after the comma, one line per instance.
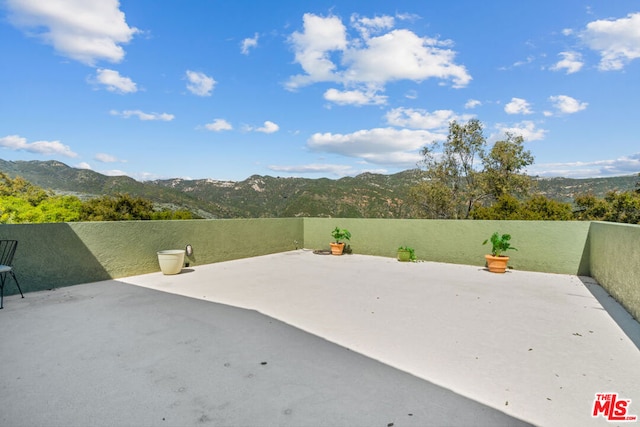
[406, 254]
[339, 234]
[496, 261]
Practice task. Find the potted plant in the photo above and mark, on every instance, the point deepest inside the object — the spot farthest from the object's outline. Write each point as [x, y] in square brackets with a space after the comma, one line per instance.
[497, 262]
[339, 234]
[406, 254]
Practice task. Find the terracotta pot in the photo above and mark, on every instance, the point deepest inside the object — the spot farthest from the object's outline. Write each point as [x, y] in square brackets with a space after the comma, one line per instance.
[337, 248]
[497, 264]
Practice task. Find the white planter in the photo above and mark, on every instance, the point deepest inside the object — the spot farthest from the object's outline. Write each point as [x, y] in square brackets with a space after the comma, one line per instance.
[171, 261]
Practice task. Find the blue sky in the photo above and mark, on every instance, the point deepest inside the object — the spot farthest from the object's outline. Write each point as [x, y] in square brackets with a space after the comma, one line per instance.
[227, 89]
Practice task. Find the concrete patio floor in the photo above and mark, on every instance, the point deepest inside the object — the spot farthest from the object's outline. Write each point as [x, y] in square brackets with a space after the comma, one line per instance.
[298, 339]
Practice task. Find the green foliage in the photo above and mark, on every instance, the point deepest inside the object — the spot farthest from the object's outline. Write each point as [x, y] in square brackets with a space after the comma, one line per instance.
[502, 173]
[59, 209]
[121, 207]
[537, 207]
[616, 206]
[339, 234]
[167, 214]
[433, 199]
[451, 187]
[412, 252]
[499, 244]
[19, 187]
[22, 202]
[455, 185]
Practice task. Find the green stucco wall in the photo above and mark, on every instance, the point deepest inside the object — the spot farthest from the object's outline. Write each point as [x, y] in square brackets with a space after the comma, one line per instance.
[55, 255]
[548, 246]
[615, 262]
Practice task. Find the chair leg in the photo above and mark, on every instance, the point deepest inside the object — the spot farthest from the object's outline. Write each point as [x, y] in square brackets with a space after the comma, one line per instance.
[1, 291]
[17, 284]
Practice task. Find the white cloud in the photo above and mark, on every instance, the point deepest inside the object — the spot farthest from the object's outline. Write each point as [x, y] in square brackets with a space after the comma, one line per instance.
[517, 106]
[249, 43]
[403, 55]
[165, 117]
[617, 41]
[384, 146]
[527, 129]
[567, 105]
[107, 158]
[339, 170]
[115, 82]
[313, 46]
[326, 54]
[625, 165]
[422, 119]
[114, 172]
[18, 143]
[411, 94]
[268, 127]
[367, 26]
[84, 165]
[571, 62]
[472, 103]
[354, 97]
[199, 83]
[218, 125]
[84, 30]
[526, 61]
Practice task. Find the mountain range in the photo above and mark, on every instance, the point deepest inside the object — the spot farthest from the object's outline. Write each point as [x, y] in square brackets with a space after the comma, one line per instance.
[367, 195]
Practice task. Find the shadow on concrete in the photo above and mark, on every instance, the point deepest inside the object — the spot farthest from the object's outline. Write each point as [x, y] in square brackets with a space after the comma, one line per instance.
[618, 313]
[112, 354]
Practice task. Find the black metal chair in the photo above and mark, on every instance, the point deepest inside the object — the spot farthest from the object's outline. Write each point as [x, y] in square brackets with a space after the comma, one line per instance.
[7, 251]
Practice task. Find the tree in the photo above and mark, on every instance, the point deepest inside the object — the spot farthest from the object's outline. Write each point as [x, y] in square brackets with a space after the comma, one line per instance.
[616, 206]
[23, 202]
[120, 207]
[22, 188]
[167, 214]
[463, 176]
[451, 187]
[590, 208]
[503, 167]
[537, 207]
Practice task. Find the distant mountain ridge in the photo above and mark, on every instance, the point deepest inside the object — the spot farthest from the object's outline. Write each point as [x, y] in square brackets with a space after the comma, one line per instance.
[367, 195]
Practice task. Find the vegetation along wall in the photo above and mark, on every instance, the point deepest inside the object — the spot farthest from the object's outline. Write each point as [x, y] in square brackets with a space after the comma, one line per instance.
[615, 262]
[547, 246]
[62, 254]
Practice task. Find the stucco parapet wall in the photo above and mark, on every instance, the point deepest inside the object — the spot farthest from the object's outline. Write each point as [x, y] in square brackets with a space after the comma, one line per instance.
[63, 254]
[615, 262]
[545, 246]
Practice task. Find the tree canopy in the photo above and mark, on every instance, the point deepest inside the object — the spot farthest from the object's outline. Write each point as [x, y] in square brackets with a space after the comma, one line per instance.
[23, 202]
[461, 175]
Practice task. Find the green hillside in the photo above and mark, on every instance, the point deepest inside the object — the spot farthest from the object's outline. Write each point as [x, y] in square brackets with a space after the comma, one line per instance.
[367, 195]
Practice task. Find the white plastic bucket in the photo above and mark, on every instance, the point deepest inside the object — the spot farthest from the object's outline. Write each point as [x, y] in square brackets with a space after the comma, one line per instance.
[171, 261]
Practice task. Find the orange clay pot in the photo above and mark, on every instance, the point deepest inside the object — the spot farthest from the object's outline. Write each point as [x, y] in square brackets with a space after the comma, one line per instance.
[337, 248]
[497, 264]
